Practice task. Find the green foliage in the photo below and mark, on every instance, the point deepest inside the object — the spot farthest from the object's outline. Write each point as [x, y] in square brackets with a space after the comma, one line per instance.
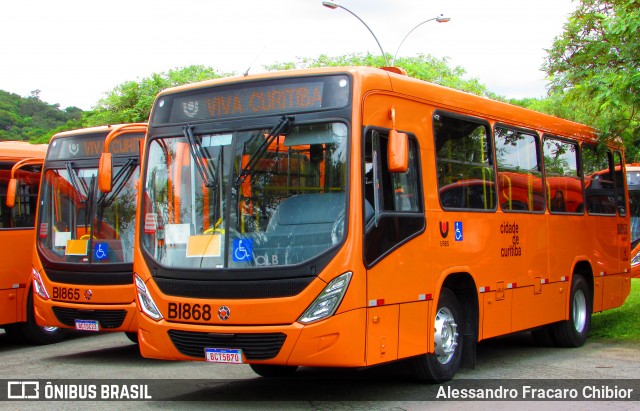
[424, 67]
[131, 102]
[620, 323]
[30, 119]
[595, 71]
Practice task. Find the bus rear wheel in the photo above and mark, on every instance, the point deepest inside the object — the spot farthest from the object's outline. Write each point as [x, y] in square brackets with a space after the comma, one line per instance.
[574, 331]
[443, 364]
[273, 371]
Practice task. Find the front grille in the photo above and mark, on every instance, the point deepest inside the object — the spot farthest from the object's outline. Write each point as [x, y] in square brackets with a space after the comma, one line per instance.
[233, 289]
[90, 278]
[254, 346]
[106, 318]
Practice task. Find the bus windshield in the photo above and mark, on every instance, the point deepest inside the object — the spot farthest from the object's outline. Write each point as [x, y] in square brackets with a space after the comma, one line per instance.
[78, 224]
[633, 182]
[238, 199]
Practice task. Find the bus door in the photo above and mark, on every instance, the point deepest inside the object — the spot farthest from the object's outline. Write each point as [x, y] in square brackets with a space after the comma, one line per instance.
[393, 212]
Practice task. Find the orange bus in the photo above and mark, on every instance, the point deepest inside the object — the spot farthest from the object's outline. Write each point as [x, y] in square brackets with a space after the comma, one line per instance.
[82, 264]
[633, 181]
[21, 163]
[417, 221]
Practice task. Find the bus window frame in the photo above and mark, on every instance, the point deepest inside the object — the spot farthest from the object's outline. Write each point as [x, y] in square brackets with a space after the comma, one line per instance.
[580, 176]
[611, 163]
[490, 150]
[539, 158]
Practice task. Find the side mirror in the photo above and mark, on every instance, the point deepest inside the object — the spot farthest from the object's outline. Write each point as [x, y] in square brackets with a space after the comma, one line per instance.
[398, 152]
[11, 192]
[105, 173]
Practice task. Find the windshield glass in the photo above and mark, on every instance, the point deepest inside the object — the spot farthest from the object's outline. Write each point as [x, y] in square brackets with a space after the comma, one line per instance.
[268, 197]
[634, 203]
[79, 224]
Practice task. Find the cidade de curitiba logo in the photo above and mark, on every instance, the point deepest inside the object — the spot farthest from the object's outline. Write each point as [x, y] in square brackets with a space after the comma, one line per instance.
[190, 109]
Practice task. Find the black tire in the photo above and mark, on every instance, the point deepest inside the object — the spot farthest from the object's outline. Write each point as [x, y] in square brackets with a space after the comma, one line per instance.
[133, 337]
[442, 365]
[30, 332]
[273, 371]
[574, 331]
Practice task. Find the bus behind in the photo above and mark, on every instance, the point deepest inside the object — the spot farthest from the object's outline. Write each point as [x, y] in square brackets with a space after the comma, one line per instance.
[20, 167]
[82, 266]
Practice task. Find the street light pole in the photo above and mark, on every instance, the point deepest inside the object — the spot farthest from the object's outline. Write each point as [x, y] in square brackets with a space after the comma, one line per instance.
[439, 19]
[332, 5]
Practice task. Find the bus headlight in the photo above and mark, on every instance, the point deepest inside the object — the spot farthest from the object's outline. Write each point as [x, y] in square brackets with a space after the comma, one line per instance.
[145, 302]
[635, 260]
[38, 285]
[328, 301]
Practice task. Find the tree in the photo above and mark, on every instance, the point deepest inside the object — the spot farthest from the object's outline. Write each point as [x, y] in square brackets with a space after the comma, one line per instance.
[131, 102]
[424, 67]
[594, 67]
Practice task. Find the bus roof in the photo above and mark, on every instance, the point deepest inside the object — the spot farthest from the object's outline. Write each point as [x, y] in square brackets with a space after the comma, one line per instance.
[87, 130]
[17, 150]
[440, 96]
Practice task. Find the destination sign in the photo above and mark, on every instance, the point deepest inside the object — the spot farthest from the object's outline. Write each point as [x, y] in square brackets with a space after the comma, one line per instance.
[91, 146]
[252, 99]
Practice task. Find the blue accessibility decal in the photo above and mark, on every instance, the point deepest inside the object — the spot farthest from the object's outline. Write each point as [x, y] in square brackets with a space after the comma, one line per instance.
[242, 249]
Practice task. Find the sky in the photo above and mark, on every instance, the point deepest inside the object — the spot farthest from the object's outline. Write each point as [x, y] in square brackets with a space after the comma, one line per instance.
[76, 51]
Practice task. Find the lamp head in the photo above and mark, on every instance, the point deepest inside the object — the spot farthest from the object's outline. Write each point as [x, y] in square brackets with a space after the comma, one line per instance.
[330, 4]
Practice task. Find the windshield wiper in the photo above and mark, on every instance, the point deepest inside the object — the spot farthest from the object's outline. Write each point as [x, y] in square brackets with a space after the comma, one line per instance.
[285, 121]
[200, 156]
[119, 182]
[73, 178]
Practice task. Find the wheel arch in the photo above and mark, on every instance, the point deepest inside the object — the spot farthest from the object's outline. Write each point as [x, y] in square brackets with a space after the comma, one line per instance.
[463, 285]
[584, 269]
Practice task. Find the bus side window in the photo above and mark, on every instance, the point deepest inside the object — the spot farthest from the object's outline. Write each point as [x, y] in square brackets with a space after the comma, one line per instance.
[519, 171]
[563, 182]
[598, 180]
[466, 177]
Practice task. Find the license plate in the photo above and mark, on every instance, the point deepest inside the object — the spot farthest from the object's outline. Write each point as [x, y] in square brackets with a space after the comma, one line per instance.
[225, 355]
[87, 325]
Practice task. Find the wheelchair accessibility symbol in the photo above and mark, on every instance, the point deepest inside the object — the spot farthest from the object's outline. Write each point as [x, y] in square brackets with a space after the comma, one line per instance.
[100, 251]
[458, 230]
[242, 250]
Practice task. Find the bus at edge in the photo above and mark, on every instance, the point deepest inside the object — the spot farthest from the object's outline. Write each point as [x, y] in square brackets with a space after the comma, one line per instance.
[83, 256]
[633, 181]
[348, 217]
[20, 167]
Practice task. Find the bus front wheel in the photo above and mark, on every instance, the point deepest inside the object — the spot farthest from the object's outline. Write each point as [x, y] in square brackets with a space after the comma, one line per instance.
[445, 361]
[574, 331]
[30, 332]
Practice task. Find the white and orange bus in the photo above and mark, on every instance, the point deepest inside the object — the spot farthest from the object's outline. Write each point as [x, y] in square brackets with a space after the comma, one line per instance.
[82, 264]
[633, 181]
[355, 216]
[20, 167]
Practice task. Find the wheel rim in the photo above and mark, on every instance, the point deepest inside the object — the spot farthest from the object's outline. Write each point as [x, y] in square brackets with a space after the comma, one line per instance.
[50, 329]
[445, 335]
[579, 311]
